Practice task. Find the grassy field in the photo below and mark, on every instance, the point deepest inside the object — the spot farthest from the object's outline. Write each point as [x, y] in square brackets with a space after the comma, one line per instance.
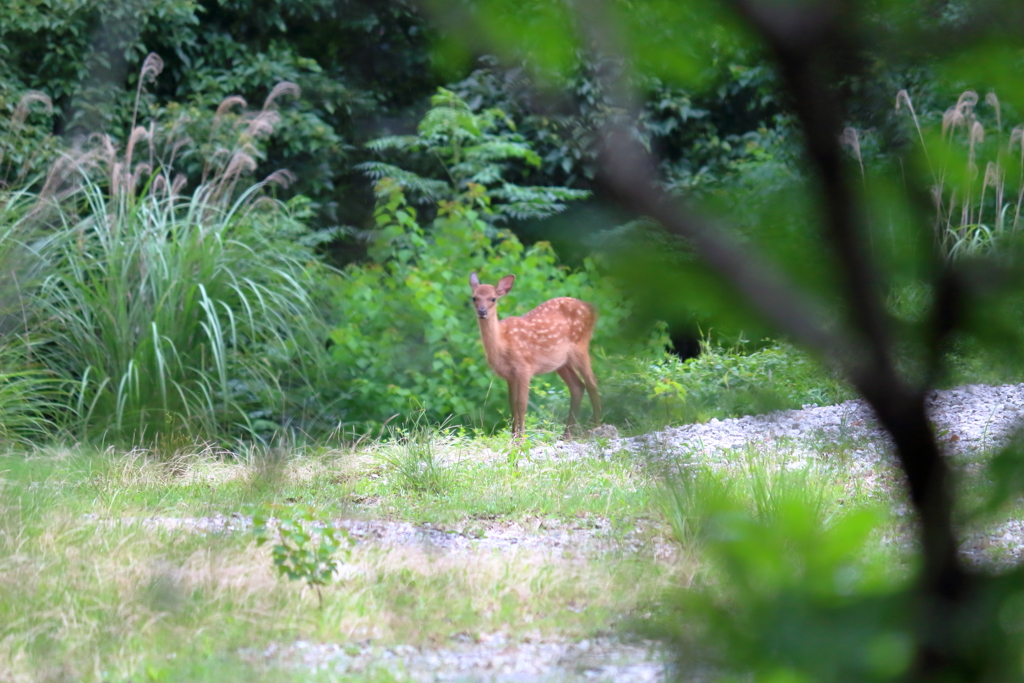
[106, 574]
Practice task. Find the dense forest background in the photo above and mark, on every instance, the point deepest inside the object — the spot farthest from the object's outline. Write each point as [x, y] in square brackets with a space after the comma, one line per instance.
[368, 69]
[397, 160]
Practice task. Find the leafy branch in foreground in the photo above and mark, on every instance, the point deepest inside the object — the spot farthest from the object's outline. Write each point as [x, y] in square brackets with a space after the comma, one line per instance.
[950, 627]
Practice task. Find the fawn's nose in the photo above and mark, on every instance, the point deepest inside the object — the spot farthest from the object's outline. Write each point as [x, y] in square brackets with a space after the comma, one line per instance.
[481, 311]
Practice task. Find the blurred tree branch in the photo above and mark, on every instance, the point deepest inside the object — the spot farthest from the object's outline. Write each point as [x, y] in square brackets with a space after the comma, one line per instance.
[817, 48]
[809, 42]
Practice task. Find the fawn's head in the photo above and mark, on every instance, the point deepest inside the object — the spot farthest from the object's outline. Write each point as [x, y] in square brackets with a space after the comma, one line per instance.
[485, 297]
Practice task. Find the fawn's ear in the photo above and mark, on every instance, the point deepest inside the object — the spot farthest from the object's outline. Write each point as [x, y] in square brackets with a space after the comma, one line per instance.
[505, 284]
[473, 280]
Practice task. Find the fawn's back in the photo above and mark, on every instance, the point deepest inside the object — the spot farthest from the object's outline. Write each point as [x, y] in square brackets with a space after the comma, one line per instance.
[548, 336]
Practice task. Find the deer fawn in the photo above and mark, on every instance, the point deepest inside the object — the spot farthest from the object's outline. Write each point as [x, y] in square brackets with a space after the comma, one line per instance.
[555, 336]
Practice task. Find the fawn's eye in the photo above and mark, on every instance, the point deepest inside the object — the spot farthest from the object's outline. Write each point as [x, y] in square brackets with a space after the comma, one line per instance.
[493, 299]
[474, 299]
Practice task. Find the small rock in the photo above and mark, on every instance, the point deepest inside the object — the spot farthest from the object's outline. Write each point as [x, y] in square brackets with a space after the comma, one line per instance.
[604, 431]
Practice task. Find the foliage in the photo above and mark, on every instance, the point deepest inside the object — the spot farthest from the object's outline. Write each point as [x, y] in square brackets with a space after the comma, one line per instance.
[166, 313]
[161, 312]
[722, 382]
[705, 133]
[795, 583]
[307, 547]
[407, 340]
[87, 56]
[470, 149]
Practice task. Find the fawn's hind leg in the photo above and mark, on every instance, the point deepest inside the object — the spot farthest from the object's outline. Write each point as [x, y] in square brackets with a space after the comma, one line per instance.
[575, 385]
[581, 364]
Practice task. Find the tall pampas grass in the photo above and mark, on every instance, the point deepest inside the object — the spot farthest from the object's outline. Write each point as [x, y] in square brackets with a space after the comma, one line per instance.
[971, 214]
[17, 124]
[165, 308]
[1017, 138]
[163, 313]
[851, 138]
[152, 66]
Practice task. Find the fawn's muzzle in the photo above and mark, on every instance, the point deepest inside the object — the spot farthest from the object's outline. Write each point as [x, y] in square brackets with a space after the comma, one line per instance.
[481, 312]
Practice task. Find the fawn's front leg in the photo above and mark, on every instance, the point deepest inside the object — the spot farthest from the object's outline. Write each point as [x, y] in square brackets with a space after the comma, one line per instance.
[518, 396]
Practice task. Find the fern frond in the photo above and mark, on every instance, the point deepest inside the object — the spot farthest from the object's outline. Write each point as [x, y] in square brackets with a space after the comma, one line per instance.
[500, 150]
[400, 142]
[529, 202]
[488, 175]
[427, 189]
[451, 122]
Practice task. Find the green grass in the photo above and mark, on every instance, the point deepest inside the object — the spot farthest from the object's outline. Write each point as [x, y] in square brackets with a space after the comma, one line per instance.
[141, 483]
[89, 592]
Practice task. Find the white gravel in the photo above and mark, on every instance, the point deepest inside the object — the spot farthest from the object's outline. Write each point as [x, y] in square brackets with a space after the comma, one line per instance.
[563, 538]
[968, 420]
[489, 657]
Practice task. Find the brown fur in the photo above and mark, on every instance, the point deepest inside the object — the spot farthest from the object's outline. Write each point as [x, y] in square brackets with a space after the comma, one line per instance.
[554, 337]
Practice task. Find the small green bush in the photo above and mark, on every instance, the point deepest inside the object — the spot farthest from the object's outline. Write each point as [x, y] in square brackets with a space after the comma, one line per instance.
[721, 382]
[408, 340]
[307, 547]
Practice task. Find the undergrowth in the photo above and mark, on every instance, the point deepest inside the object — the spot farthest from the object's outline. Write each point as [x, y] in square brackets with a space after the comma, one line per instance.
[722, 382]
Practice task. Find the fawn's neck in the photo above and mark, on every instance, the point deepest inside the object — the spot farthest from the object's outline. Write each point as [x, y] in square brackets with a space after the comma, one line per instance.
[494, 345]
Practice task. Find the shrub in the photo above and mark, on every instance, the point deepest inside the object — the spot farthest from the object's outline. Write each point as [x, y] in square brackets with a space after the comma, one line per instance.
[307, 547]
[721, 382]
[408, 340]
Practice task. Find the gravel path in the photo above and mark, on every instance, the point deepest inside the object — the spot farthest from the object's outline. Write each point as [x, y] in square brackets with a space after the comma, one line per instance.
[490, 659]
[582, 538]
[968, 420]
